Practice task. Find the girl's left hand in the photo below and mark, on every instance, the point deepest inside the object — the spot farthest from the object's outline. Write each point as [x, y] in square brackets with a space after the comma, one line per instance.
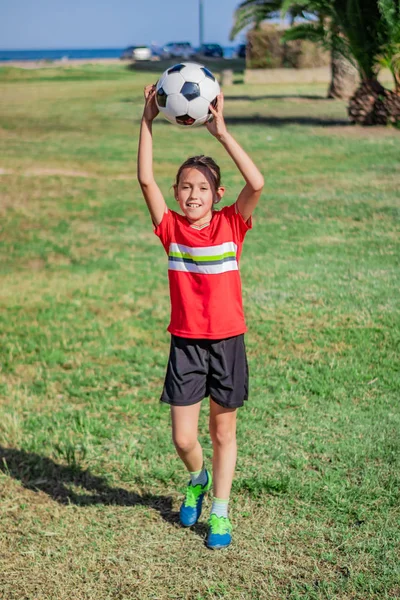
[217, 126]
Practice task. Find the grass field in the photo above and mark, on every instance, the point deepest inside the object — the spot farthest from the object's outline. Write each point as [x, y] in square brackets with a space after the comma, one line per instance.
[90, 483]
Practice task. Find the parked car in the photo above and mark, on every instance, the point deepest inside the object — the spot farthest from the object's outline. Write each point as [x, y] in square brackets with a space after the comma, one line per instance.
[178, 50]
[136, 53]
[212, 50]
[241, 51]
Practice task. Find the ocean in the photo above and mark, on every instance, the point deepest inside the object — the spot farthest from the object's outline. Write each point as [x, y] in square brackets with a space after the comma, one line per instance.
[73, 53]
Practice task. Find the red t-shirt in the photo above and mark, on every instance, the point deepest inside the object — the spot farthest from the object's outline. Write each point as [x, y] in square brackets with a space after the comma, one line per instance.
[203, 271]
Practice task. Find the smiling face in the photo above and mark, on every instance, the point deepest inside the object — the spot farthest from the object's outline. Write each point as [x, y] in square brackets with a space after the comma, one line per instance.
[196, 194]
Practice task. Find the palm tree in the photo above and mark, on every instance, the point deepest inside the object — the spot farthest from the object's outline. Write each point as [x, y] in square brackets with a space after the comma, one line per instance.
[320, 27]
[367, 32]
[368, 38]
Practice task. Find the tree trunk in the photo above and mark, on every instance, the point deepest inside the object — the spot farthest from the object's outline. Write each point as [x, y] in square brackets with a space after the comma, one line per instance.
[344, 77]
[397, 82]
[372, 104]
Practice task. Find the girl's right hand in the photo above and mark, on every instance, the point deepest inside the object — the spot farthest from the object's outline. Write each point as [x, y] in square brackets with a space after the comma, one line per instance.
[150, 107]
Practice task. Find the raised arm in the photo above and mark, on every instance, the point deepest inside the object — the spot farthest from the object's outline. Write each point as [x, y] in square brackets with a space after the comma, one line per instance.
[250, 194]
[150, 190]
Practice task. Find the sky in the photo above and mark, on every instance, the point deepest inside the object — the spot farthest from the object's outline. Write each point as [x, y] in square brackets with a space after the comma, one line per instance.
[42, 24]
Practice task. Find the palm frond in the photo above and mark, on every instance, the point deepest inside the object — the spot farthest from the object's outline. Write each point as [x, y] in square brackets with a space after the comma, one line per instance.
[322, 33]
[305, 31]
[305, 9]
[253, 12]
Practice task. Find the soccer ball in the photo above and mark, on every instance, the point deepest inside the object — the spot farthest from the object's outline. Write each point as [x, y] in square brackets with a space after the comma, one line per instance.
[184, 93]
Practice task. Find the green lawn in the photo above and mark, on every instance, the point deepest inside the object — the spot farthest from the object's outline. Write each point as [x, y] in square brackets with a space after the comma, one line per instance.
[90, 483]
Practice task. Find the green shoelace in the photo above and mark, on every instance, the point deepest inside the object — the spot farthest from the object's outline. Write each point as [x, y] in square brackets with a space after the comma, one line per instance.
[192, 494]
[220, 525]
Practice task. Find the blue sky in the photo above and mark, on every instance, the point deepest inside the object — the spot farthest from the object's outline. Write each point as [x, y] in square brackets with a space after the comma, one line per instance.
[40, 24]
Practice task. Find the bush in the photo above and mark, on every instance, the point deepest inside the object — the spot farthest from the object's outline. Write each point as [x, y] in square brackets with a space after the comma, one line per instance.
[266, 50]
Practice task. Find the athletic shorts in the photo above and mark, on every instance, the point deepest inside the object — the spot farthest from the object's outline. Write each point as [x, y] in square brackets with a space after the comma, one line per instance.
[198, 368]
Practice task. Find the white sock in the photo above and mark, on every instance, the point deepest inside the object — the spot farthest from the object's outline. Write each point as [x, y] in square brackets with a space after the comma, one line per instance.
[220, 507]
[198, 477]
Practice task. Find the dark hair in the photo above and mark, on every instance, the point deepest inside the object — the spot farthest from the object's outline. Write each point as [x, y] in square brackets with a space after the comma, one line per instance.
[207, 163]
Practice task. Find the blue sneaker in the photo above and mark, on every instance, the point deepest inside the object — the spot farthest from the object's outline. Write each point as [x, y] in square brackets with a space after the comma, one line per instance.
[190, 510]
[219, 535]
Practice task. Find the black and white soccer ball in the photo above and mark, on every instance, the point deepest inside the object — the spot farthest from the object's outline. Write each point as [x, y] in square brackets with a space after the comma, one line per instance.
[184, 93]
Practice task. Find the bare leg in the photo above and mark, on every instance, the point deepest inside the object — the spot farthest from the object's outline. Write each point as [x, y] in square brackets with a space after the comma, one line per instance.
[223, 436]
[185, 420]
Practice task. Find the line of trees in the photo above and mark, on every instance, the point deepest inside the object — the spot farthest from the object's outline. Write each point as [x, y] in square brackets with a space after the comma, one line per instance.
[361, 34]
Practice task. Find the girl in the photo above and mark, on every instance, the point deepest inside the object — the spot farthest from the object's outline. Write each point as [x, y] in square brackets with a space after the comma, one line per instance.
[207, 353]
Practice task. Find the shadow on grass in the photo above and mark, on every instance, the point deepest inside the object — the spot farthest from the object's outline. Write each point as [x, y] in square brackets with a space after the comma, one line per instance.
[278, 97]
[39, 473]
[282, 121]
[278, 121]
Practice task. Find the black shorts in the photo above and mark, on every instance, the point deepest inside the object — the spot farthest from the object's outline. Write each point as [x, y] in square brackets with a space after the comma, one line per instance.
[198, 368]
